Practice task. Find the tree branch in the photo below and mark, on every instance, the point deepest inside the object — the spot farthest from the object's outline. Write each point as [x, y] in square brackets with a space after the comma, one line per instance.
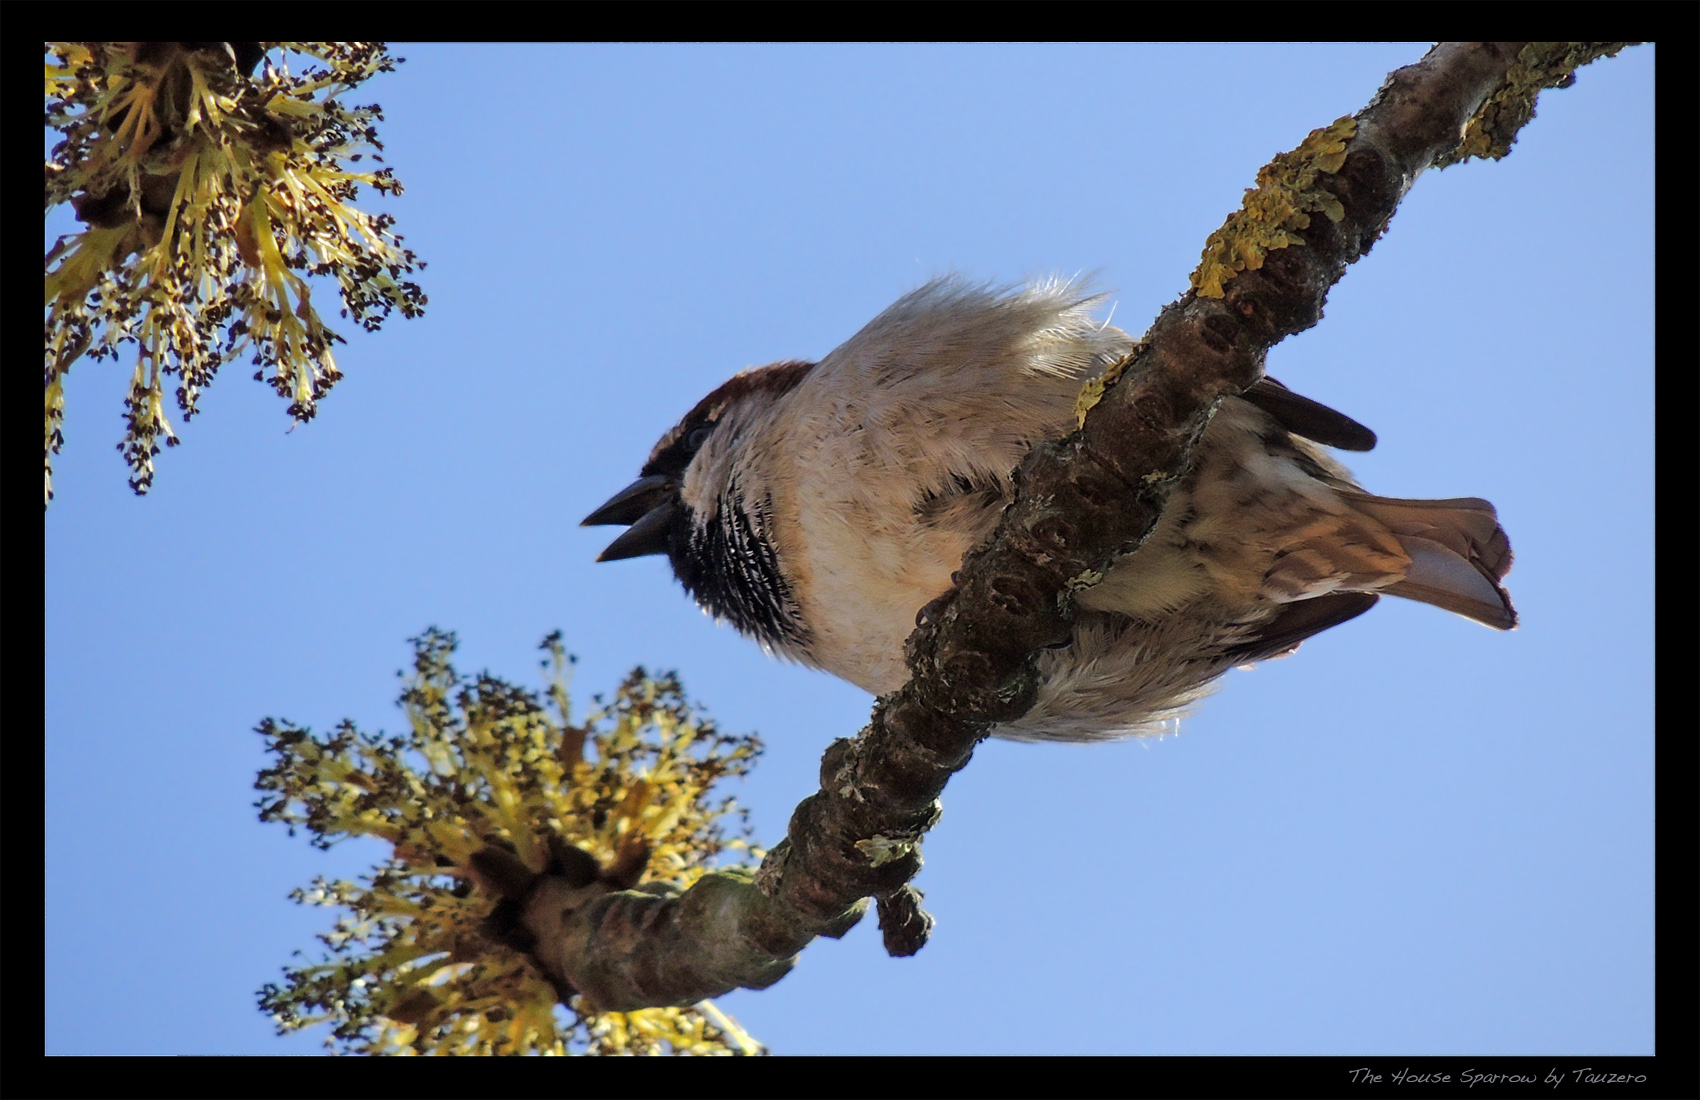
[1082, 502]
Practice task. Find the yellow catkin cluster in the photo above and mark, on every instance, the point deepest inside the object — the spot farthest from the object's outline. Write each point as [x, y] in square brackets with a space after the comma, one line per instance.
[486, 763]
[211, 193]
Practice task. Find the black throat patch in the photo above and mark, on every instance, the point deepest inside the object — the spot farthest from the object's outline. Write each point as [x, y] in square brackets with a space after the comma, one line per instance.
[731, 569]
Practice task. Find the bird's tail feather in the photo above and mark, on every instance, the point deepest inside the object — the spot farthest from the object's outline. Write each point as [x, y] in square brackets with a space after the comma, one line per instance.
[1459, 554]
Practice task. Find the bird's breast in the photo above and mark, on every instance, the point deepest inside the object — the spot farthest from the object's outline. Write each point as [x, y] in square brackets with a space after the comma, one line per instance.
[860, 572]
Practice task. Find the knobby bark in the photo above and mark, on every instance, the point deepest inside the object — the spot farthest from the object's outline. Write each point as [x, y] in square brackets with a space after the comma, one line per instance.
[1082, 502]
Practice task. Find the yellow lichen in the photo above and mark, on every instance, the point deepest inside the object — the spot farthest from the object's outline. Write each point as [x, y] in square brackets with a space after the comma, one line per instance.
[1539, 65]
[1085, 579]
[1276, 209]
[881, 850]
[1093, 391]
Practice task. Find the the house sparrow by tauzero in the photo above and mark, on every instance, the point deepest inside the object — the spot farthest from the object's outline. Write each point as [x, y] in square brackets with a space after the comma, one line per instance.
[818, 506]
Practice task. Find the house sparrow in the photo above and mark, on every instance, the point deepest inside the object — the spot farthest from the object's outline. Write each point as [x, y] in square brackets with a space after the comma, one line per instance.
[818, 506]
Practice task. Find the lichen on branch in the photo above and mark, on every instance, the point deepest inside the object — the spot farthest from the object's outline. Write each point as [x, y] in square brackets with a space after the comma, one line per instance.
[1539, 66]
[211, 194]
[1277, 209]
[491, 785]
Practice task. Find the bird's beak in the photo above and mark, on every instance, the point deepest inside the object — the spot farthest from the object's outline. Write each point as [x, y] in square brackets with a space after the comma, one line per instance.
[648, 505]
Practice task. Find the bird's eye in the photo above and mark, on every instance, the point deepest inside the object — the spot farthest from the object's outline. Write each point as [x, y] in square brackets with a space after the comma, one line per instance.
[697, 438]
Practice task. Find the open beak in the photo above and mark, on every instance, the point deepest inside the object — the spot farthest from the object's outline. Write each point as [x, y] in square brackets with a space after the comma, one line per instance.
[648, 505]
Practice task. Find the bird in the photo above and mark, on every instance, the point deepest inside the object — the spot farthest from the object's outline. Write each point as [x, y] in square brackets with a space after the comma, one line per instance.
[818, 506]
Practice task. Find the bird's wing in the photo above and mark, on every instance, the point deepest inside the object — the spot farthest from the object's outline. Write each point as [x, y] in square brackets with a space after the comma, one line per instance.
[951, 385]
[1311, 419]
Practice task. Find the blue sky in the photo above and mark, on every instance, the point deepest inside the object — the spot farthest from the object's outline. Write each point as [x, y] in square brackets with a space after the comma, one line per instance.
[1415, 836]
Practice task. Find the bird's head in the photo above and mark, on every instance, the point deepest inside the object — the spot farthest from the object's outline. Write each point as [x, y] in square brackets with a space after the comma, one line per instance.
[702, 500]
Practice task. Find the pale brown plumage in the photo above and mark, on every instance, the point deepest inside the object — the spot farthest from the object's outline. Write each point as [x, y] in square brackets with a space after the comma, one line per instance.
[817, 507]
